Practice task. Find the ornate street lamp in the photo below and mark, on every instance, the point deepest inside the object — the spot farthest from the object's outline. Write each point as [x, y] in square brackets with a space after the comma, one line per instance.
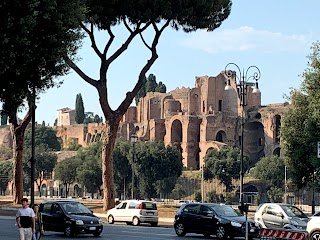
[243, 81]
[133, 139]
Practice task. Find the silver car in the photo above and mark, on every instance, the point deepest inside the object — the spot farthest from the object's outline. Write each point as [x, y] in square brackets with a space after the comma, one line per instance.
[280, 215]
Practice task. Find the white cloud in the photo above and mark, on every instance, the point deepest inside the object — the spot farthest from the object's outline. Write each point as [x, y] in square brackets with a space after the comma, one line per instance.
[245, 39]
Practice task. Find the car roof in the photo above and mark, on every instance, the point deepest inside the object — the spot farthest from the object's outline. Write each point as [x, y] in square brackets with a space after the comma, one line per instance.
[60, 201]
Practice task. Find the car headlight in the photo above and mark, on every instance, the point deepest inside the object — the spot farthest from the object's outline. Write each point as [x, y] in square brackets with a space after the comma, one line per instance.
[235, 224]
[100, 222]
[79, 222]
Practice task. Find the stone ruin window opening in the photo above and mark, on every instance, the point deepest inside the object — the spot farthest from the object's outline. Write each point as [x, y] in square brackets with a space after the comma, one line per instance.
[220, 105]
[277, 126]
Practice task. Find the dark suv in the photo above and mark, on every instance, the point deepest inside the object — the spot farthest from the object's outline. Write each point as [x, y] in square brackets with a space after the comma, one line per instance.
[70, 217]
[213, 219]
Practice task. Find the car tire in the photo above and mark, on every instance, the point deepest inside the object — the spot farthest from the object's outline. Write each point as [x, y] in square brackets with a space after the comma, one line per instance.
[154, 224]
[180, 229]
[221, 232]
[97, 234]
[68, 232]
[135, 221]
[110, 219]
[315, 235]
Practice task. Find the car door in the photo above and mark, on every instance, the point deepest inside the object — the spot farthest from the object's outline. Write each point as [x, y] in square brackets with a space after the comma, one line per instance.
[190, 217]
[272, 217]
[120, 212]
[57, 218]
[45, 209]
[207, 221]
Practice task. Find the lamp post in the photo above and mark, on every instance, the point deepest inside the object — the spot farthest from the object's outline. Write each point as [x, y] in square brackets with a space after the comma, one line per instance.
[313, 205]
[242, 82]
[133, 139]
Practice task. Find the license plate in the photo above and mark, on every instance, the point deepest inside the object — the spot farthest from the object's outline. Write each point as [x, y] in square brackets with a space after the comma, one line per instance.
[92, 228]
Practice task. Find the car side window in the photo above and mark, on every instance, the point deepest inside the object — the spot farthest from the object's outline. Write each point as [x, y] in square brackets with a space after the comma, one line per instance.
[205, 211]
[46, 208]
[56, 209]
[132, 205]
[123, 206]
[273, 210]
[193, 209]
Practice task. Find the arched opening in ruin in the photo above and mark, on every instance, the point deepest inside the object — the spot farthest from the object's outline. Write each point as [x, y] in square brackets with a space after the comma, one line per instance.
[76, 190]
[176, 134]
[221, 136]
[176, 131]
[254, 141]
[43, 190]
[276, 152]
[276, 129]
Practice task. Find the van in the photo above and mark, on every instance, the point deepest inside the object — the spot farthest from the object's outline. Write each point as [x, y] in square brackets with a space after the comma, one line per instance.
[134, 212]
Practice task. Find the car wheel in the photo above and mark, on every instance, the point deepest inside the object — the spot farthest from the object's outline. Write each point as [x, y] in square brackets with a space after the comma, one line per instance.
[154, 224]
[68, 232]
[110, 219]
[180, 230]
[135, 221]
[96, 234]
[221, 232]
[315, 236]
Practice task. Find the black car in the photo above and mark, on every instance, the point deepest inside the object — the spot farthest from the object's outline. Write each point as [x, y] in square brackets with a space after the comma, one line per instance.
[213, 219]
[70, 217]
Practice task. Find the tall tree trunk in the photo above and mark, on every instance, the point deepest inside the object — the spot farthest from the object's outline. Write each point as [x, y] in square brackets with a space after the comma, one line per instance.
[18, 138]
[108, 142]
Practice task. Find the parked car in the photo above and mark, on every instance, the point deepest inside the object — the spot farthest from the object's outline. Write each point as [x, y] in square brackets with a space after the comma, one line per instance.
[70, 217]
[134, 212]
[213, 219]
[313, 227]
[280, 215]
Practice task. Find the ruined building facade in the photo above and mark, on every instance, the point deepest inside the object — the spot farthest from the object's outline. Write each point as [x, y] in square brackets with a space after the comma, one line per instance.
[196, 120]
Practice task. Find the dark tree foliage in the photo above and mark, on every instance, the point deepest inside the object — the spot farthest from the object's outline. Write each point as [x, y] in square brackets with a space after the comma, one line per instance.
[5, 175]
[224, 164]
[79, 115]
[270, 169]
[137, 17]
[66, 172]
[45, 161]
[150, 85]
[35, 36]
[300, 127]
[43, 136]
[154, 162]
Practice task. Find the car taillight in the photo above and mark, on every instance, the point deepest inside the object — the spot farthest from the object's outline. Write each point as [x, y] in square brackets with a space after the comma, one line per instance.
[141, 207]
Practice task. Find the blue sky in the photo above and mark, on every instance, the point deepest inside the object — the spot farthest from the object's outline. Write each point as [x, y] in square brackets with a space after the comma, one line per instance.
[273, 35]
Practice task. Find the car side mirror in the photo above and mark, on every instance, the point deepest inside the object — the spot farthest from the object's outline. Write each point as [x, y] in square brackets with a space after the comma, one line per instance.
[210, 215]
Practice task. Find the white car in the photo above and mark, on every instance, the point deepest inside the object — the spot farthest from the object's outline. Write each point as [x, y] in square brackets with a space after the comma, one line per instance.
[134, 212]
[313, 227]
[280, 215]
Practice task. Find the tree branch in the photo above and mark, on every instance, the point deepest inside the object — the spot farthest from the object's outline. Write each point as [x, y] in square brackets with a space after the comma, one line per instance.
[92, 39]
[109, 41]
[80, 72]
[130, 95]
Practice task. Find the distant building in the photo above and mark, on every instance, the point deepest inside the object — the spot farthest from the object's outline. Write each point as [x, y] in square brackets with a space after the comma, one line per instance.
[66, 117]
[195, 120]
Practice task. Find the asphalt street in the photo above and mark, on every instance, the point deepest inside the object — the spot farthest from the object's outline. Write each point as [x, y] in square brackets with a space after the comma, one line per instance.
[111, 232]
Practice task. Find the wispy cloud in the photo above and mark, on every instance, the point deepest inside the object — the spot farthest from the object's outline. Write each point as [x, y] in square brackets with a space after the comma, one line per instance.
[246, 39]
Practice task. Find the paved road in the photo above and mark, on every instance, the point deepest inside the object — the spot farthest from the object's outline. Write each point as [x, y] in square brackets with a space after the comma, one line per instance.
[8, 231]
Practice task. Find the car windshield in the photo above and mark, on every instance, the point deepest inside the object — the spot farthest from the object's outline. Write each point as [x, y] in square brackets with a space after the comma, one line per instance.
[75, 208]
[293, 211]
[225, 211]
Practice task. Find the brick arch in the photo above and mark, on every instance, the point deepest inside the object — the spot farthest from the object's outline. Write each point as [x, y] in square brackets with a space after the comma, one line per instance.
[176, 131]
[221, 136]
